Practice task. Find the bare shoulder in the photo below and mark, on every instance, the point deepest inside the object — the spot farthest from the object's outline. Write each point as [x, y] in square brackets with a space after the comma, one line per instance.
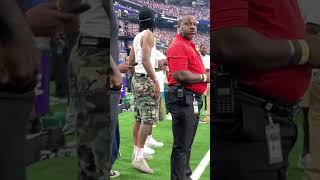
[148, 37]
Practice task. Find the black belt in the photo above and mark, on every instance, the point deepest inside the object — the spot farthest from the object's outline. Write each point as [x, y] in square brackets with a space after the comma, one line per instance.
[94, 42]
[278, 108]
[141, 75]
[186, 91]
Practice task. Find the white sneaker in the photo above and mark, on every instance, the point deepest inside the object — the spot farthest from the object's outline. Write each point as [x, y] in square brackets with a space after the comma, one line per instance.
[142, 166]
[148, 150]
[114, 174]
[151, 142]
[169, 117]
[304, 162]
[147, 157]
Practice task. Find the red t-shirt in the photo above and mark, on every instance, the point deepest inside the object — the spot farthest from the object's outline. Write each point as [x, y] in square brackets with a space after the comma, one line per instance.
[182, 55]
[278, 19]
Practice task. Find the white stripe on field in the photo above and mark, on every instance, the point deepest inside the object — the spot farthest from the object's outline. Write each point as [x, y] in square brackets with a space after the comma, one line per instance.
[201, 167]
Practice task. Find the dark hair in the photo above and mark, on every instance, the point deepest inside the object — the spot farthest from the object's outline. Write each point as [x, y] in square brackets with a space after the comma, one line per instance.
[146, 19]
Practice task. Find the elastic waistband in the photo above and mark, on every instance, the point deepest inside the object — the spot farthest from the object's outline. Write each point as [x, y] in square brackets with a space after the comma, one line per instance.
[94, 42]
[141, 75]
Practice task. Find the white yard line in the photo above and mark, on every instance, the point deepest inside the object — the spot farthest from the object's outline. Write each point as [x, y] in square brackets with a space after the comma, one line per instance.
[201, 167]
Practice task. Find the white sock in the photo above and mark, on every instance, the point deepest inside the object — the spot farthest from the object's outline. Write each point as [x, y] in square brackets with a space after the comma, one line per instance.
[135, 149]
[139, 154]
[149, 138]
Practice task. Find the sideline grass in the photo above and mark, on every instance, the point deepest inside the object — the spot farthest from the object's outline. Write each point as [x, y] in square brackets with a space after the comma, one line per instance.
[66, 169]
[161, 161]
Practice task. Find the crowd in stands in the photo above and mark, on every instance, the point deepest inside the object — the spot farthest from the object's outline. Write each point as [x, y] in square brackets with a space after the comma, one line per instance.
[130, 10]
[164, 36]
[169, 10]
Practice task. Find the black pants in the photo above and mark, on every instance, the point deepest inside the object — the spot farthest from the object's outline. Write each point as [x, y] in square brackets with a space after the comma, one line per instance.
[59, 69]
[184, 127]
[240, 147]
[114, 101]
[15, 110]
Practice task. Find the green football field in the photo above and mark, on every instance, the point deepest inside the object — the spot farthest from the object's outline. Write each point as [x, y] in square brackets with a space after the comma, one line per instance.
[66, 168]
[161, 161]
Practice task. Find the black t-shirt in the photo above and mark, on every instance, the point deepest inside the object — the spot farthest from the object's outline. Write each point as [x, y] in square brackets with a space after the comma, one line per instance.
[114, 49]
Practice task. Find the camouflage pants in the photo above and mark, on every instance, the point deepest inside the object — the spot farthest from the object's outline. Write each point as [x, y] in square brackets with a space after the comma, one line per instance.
[89, 94]
[145, 107]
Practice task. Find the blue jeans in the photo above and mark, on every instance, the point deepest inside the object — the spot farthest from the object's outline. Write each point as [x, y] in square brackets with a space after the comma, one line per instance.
[114, 135]
[116, 145]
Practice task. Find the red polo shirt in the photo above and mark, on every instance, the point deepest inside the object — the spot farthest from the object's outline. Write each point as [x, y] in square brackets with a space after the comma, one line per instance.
[182, 55]
[277, 19]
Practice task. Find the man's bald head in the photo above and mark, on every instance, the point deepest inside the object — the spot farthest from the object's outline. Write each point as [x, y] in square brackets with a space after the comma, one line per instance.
[183, 18]
[187, 26]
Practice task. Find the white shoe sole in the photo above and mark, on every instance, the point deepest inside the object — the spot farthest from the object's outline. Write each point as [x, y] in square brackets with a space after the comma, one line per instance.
[149, 152]
[154, 145]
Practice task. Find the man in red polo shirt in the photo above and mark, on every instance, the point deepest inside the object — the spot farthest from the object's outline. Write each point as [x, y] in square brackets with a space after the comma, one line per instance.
[264, 46]
[187, 82]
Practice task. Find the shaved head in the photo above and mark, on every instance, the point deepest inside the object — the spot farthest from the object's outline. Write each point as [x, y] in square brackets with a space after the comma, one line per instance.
[187, 26]
[182, 18]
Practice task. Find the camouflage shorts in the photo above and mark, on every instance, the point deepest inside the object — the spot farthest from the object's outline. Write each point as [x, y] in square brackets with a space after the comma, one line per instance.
[145, 107]
[89, 94]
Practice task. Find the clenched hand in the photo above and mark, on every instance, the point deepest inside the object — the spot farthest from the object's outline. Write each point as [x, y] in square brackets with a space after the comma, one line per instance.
[46, 20]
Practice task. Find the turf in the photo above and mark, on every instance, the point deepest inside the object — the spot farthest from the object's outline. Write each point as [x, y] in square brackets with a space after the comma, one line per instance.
[66, 169]
[295, 173]
[53, 169]
[161, 161]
